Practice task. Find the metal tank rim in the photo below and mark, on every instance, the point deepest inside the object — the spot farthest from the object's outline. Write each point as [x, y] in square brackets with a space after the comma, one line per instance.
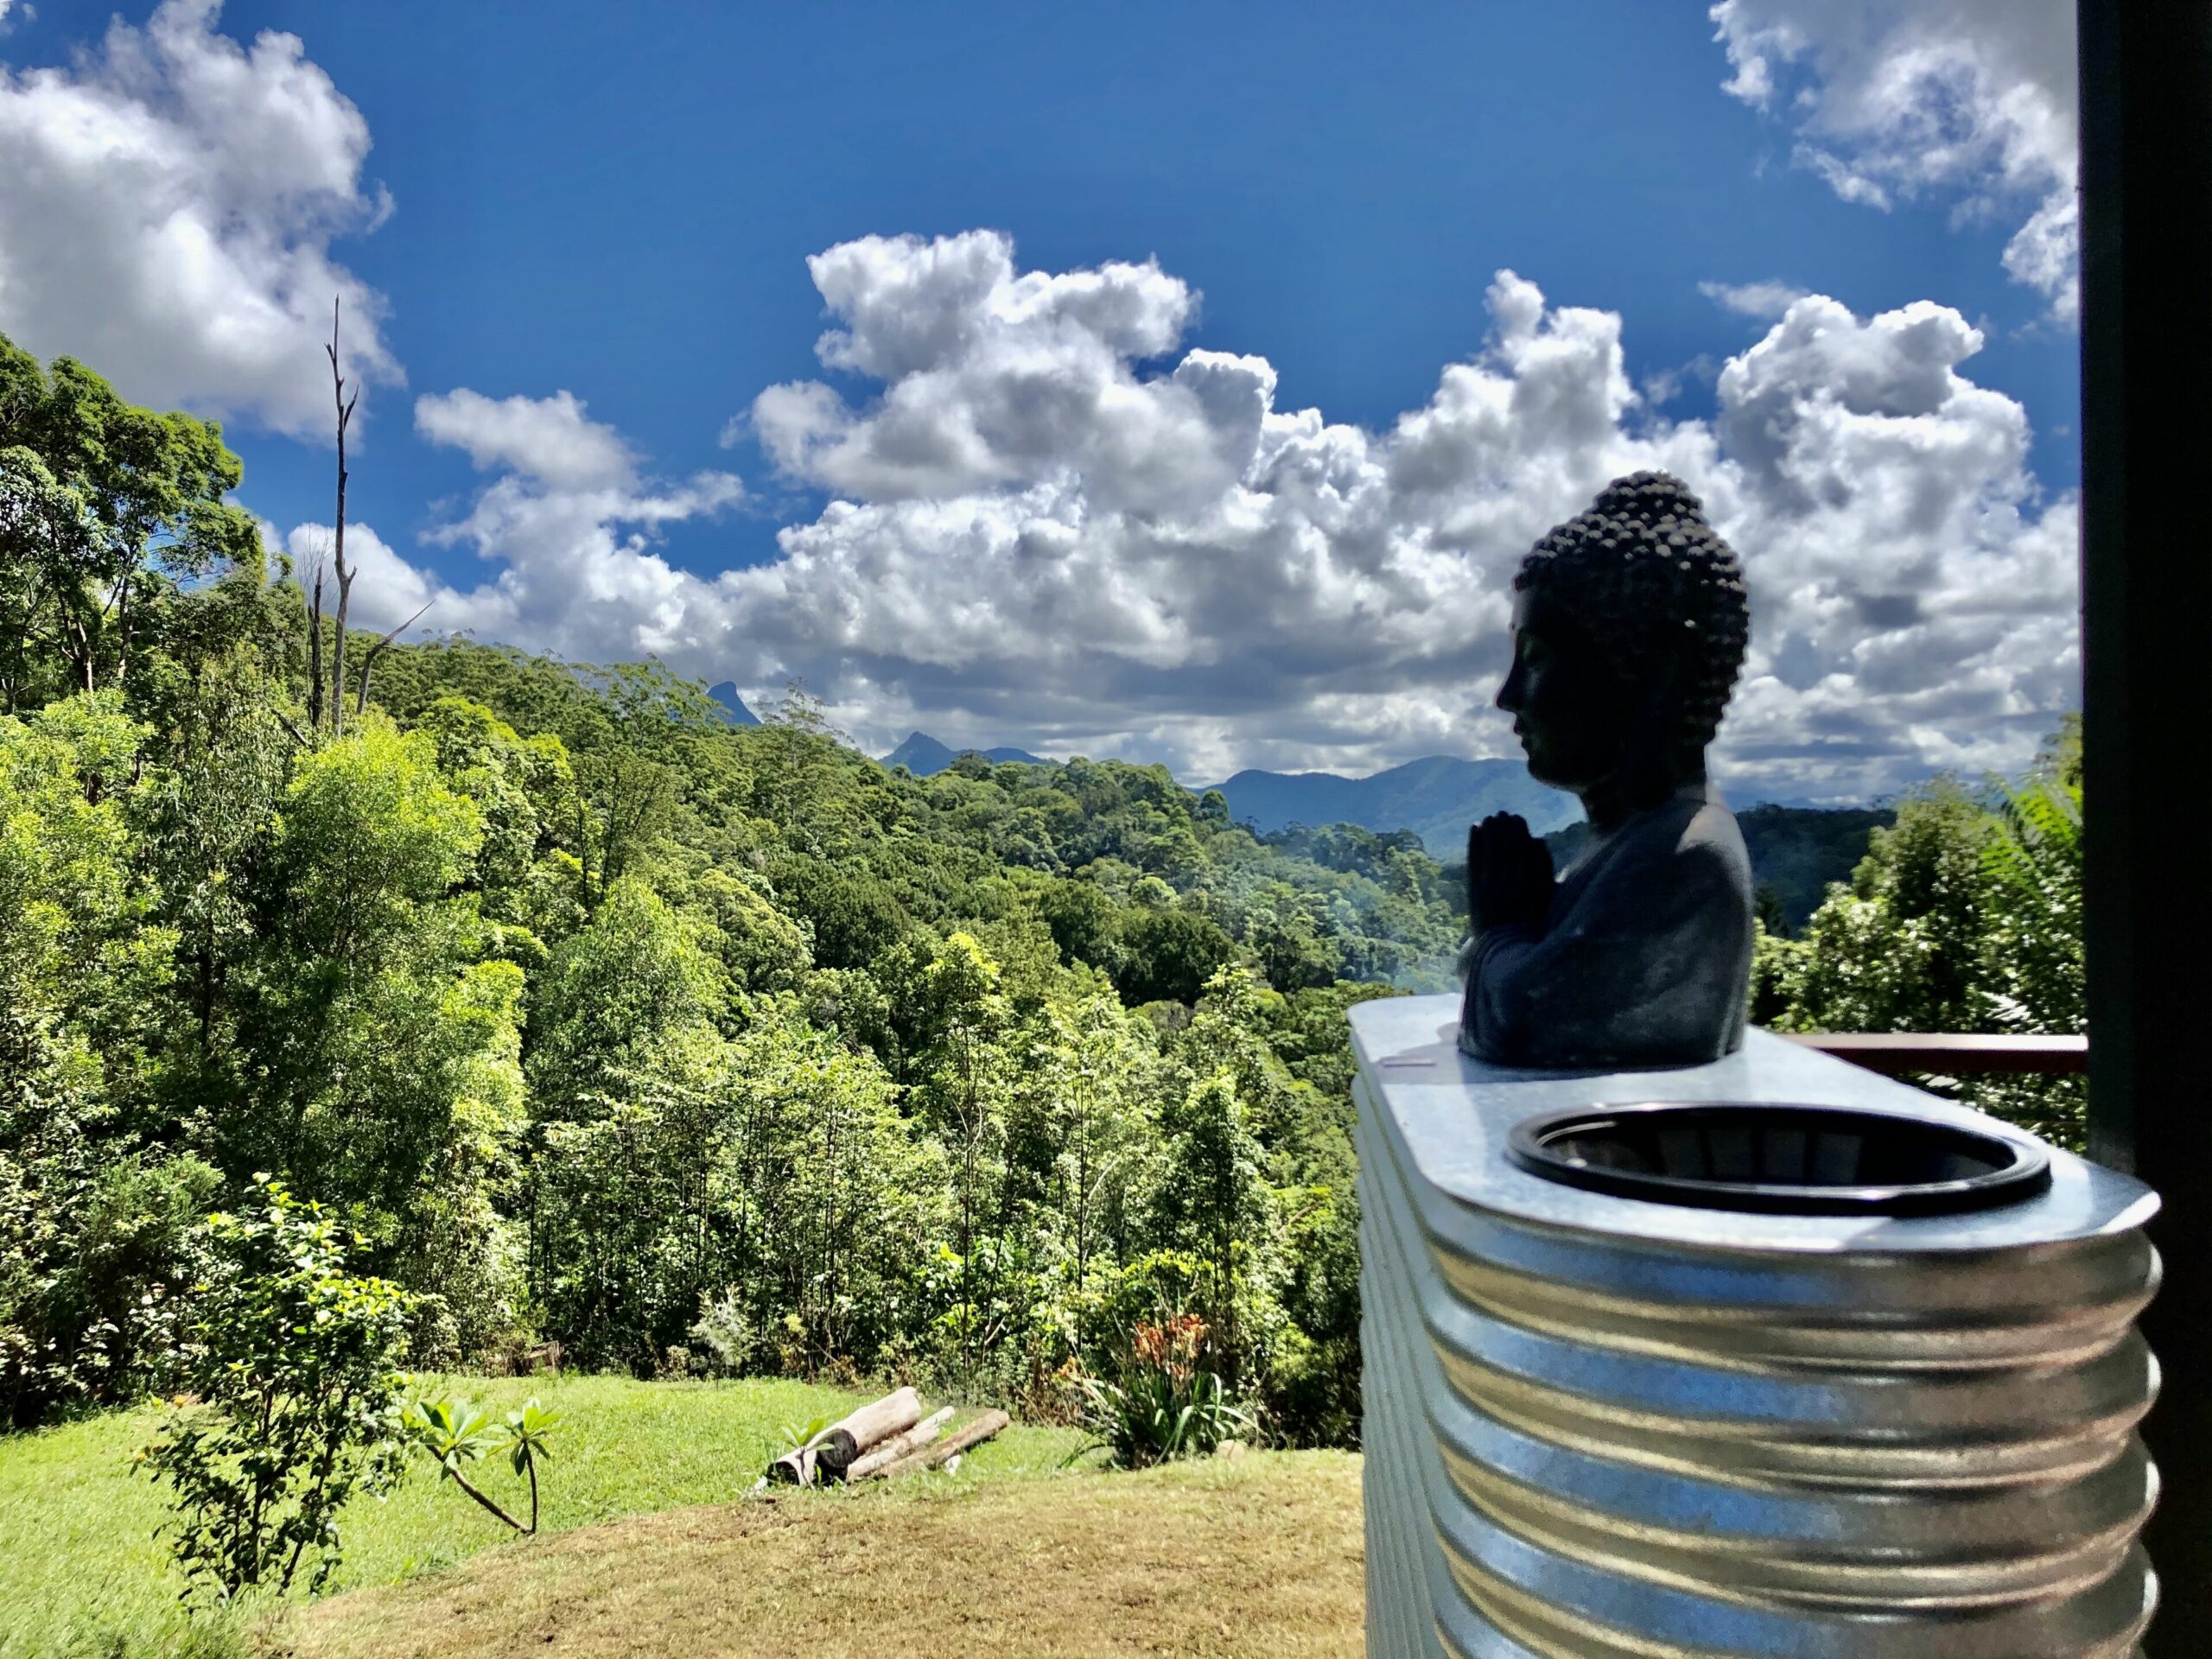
[1454, 1116]
[2018, 1169]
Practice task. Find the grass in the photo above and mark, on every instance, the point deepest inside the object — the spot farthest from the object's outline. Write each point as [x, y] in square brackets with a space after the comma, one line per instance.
[1258, 1556]
[81, 1574]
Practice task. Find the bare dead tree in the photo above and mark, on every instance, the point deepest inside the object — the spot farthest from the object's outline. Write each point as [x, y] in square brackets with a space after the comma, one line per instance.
[345, 405]
[314, 653]
[361, 699]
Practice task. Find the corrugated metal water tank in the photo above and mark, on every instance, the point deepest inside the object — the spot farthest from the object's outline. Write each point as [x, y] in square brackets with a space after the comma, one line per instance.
[1627, 1400]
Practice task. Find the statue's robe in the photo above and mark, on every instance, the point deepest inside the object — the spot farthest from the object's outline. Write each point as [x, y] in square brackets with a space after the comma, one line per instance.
[1644, 959]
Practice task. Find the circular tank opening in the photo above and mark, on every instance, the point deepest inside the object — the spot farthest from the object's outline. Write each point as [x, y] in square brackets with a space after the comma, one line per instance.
[1786, 1160]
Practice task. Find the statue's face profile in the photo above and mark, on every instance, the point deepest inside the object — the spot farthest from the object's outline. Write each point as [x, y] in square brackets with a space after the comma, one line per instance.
[1572, 709]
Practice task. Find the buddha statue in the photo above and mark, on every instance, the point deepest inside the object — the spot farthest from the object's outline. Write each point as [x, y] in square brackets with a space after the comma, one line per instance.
[1630, 623]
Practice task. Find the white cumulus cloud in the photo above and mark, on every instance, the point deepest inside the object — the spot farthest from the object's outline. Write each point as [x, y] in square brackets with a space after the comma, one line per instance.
[569, 528]
[548, 439]
[1764, 300]
[1973, 102]
[167, 206]
[994, 380]
[1053, 524]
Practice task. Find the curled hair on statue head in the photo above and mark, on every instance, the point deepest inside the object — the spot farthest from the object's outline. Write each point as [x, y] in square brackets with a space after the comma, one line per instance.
[1661, 595]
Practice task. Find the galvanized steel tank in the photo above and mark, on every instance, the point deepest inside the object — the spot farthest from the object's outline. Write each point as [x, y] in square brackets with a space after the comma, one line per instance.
[1610, 1427]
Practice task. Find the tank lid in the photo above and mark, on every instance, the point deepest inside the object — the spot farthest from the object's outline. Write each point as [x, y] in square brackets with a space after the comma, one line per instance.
[1779, 1158]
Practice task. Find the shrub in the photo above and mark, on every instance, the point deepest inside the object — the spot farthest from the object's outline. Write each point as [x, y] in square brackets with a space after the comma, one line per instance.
[726, 1329]
[1163, 1402]
[293, 1362]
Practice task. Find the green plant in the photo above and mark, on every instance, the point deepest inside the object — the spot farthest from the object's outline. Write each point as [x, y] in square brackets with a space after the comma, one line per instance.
[453, 1434]
[726, 1332]
[294, 1364]
[798, 1435]
[1163, 1403]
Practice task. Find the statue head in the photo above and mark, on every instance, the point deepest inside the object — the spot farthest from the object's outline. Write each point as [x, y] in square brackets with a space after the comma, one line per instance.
[1630, 623]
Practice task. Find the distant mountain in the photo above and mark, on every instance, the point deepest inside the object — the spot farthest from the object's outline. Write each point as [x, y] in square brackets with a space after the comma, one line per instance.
[733, 705]
[1796, 849]
[925, 756]
[1436, 797]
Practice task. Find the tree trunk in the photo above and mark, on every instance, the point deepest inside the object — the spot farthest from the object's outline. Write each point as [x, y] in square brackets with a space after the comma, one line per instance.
[361, 699]
[344, 572]
[793, 1468]
[315, 654]
[122, 630]
[951, 1447]
[901, 1446]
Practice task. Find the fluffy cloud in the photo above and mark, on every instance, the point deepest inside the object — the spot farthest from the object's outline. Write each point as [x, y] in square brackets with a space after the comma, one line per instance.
[569, 527]
[548, 439]
[995, 379]
[167, 208]
[1046, 530]
[1972, 101]
[1763, 300]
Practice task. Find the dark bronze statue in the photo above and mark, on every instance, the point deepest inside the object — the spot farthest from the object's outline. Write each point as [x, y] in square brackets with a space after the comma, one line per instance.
[1629, 628]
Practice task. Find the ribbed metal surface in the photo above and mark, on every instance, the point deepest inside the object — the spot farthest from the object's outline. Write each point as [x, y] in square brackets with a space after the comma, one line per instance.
[1612, 1429]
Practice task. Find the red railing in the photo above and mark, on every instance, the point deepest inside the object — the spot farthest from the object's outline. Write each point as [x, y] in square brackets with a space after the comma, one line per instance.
[1951, 1054]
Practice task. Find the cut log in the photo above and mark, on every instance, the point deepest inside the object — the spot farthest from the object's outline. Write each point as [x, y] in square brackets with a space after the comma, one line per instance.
[899, 1445]
[839, 1446]
[948, 1448]
[793, 1468]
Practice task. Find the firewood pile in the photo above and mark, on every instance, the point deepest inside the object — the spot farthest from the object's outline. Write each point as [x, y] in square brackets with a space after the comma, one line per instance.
[882, 1440]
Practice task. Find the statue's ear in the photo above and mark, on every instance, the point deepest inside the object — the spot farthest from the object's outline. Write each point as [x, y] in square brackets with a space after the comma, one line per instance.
[1662, 690]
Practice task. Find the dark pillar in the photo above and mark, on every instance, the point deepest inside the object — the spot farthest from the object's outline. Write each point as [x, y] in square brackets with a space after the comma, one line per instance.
[2146, 590]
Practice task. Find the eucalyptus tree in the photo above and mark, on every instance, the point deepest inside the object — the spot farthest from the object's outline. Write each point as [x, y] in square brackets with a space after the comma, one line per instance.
[105, 506]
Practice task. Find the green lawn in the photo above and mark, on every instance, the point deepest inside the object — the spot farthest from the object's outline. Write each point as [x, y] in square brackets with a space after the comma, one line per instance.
[82, 1573]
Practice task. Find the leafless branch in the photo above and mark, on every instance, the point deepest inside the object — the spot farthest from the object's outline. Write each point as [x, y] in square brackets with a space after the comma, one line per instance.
[369, 661]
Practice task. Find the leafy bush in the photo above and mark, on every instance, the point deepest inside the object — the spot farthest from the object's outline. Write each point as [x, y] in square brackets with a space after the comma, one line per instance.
[726, 1330]
[293, 1362]
[90, 1253]
[1965, 916]
[1163, 1402]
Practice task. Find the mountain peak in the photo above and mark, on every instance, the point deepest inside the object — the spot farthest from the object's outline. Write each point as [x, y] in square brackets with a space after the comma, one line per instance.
[731, 704]
[1436, 796]
[925, 756]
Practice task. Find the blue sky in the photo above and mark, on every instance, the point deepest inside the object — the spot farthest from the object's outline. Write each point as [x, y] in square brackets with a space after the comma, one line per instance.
[526, 200]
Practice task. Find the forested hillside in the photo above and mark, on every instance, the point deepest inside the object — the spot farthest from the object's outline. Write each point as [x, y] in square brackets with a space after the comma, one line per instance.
[604, 1021]
[1965, 915]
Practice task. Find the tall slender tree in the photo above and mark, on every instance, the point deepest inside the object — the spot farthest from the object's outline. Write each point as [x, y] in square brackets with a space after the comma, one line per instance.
[343, 570]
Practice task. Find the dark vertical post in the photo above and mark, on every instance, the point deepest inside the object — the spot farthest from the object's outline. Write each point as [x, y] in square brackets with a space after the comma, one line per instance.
[2146, 589]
